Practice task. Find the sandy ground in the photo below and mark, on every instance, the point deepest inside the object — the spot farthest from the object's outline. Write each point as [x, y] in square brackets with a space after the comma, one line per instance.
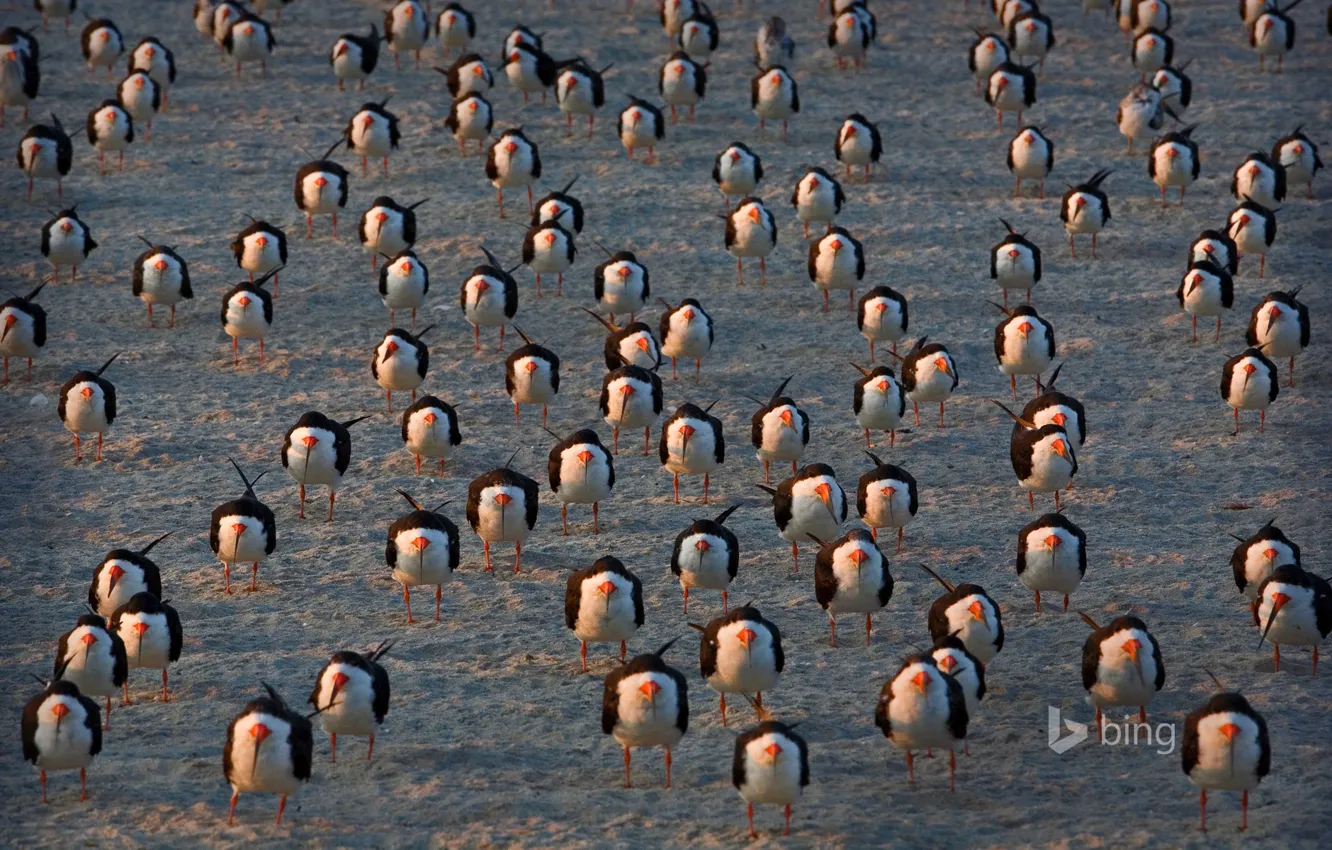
[493, 736]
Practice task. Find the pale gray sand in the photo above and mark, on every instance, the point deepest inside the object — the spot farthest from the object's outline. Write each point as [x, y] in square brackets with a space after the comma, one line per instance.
[493, 737]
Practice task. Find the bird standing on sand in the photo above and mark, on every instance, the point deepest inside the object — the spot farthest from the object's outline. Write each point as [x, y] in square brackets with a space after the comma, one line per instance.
[645, 703]
[422, 549]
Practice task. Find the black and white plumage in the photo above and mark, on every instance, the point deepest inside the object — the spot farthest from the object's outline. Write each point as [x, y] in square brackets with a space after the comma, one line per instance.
[1031, 36]
[1058, 408]
[110, 128]
[581, 472]
[561, 207]
[1279, 327]
[1084, 209]
[430, 429]
[740, 652]
[468, 75]
[773, 95]
[1121, 666]
[22, 329]
[243, 531]
[269, 749]
[1215, 246]
[161, 276]
[985, 55]
[140, 96]
[45, 152]
[1294, 608]
[1149, 14]
[779, 431]
[317, 450]
[1226, 748]
[152, 636]
[882, 315]
[260, 248]
[1030, 156]
[247, 313]
[55, 8]
[707, 555]
[1206, 290]
[373, 132]
[513, 161]
[1142, 110]
[422, 549]
[957, 662]
[968, 613]
[548, 248]
[403, 283]
[387, 228]
[699, 34]
[773, 45]
[321, 189]
[622, 285]
[631, 397]
[1256, 557]
[887, 497]
[645, 703]
[471, 117]
[400, 362]
[1259, 178]
[1298, 155]
[250, 39]
[355, 57]
[102, 45]
[531, 376]
[67, 241]
[737, 171]
[686, 330]
[520, 34]
[603, 603]
[455, 27]
[879, 402]
[1250, 381]
[1051, 556]
[88, 405]
[61, 730]
[92, 657]
[631, 345]
[1174, 160]
[817, 197]
[751, 231]
[1015, 262]
[641, 125]
[849, 37]
[1173, 83]
[1024, 344]
[1272, 33]
[692, 443]
[1042, 456]
[351, 695]
[836, 261]
[682, 81]
[1249, 10]
[929, 375]
[921, 707]
[580, 90]
[502, 508]
[809, 506]
[770, 765]
[851, 577]
[530, 69]
[1151, 51]
[224, 14]
[407, 29]
[1254, 229]
[123, 574]
[1010, 88]
[489, 297]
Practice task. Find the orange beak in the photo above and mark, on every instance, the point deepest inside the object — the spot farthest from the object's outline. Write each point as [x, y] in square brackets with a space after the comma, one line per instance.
[160, 265]
[888, 492]
[746, 637]
[624, 272]
[941, 364]
[921, 680]
[702, 545]
[381, 217]
[1171, 153]
[1060, 448]
[262, 241]
[1299, 149]
[60, 710]
[1269, 554]
[341, 51]
[1080, 203]
[585, 457]
[550, 238]
[1060, 419]
[471, 106]
[1274, 312]
[259, 732]
[66, 226]
[824, 493]
[150, 52]
[391, 348]
[406, 267]
[238, 528]
[1229, 731]
[606, 588]
[754, 214]
[310, 442]
[689, 315]
[836, 245]
[650, 689]
[140, 628]
[531, 366]
[776, 79]
[340, 681]
[859, 556]
[511, 147]
[138, 82]
[244, 301]
[1244, 220]
[948, 662]
[626, 390]
[321, 182]
[86, 392]
[977, 611]
[1131, 648]
[1249, 368]
[421, 543]
[787, 419]
[1053, 542]
[642, 344]
[477, 71]
[89, 639]
[772, 750]
[1025, 328]
[883, 386]
[503, 498]
[1013, 253]
[481, 287]
[430, 418]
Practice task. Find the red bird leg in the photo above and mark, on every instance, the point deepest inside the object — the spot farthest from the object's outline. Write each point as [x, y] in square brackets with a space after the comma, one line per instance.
[1031, 500]
[83, 784]
[647, 439]
[795, 556]
[439, 597]
[331, 497]
[941, 414]
[1244, 805]
[668, 767]
[99, 445]
[231, 817]
[42, 774]
[763, 271]
[407, 598]
[301, 513]
[628, 783]
[676, 482]
[705, 484]
[1202, 800]
[788, 820]
[254, 577]
[564, 517]
[582, 653]
[501, 202]
[282, 805]
[333, 744]
[686, 599]
[832, 631]
[624, 649]
[518, 557]
[868, 629]
[726, 605]
[916, 406]
[752, 833]
[1094, 248]
[952, 771]
[370, 751]
[723, 709]
[900, 533]
[911, 768]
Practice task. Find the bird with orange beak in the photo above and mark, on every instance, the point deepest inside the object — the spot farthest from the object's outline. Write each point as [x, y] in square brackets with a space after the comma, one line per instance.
[953, 658]
[1150, 51]
[549, 249]
[406, 29]
[849, 37]
[923, 708]
[851, 577]
[622, 285]
[1053, 406]
[430, 429]
[121, 575]
[1279, 327]
[699, 34]
[1121, 666]
[92, 657]
[260, 248]
[1051, 556]
[250, 39]
[110, 128]
[740, 652]
[817, 197]
[88, 405]
[321, 189]
[985, 55]
[579, 90]
[685, 331]
[707, 555]
[1206, 290]
[269, 749]
[1031, 36]
[521, 34]
[62, 730]
[247, 313]
[387, 228]
[354, 57]
[1010, 88]
[1256, 557]
[471, 118]
[1085, 209]
[1042, 457]
[45, 152]
[404, 282]
[531, 376]
[1259, 178]
[1030, 157]
[603, 603]
[55, 9]
[737, 171]
[1273, 34]
[773, 95]
[770, 765]
[422, 550]
[489, 298]
[140, 96]
[1298, 155]
[22, 330]
[779, 431]
[151, 632]
[224, 14]
[641, 125]
[67, 241]
[887, 497]
[351, 695]
[1226, 748]
[1015, 263]
[513, 161]
[1174, 161]
[809, 506]
[317, 450]
[373, 132]
[928, 375]
[1249, 381]
[1254, 229]
[1215, 246]
[645, 704]
[882, 315]
[243, 531]
[400, 362]
[751, 231]
[1024, 344]
[969, 613]
[682, 81]
[161, 276]
[502, 508]
[102, 45]
[692, 443]
[1295, 609]
[836, 262]
[456, 27]
[530, 69]
[468, 75]
[631, 345]
[858, 143]
[581, 472]
[631, 397]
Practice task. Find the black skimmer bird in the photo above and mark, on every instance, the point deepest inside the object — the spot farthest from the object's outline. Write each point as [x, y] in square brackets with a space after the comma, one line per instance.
[530, 69]
[102, 45]
[400, 362]
[851, 577]
[55, 9]
[882, 316]
[1051, 556]
[559, 205]
[779, 431]
[243, 318]
[849, 37]
[692, 442]
[887, 497]
[1031, 36]
[1151, 51]
[580, 90]
[674, 13]
[67, 241]
[879, 402]
[1249, 381]
[1042, 456]
[817, 197]
[1294, 608]
[751, 231]
[773, 95]
[922, 707]
[737, 171]
[686, 331]
[1024, 344]
[407, 29]
[151, 633]
[1273, 34]
[430, 429]
[603, 603]
[1249, 10]
[581, 472]
[682, 81]
[1226, 748]
[1142, 109]
[1215, 246]
[317, 450]
[455, 27]
[740, 652]
[489, 497]
[471, 117]
[953, 658]
[351, 695]
[809, 505]
[1053, 406]
[549, 249]
[1254, 229]
[489, 297]
[355, 57]
[1085, 208]
[1206, 290]
[967, 612]
[373, 132]
[1173, 83]
[773, 45]
[404, 282]
[707, 555]
[645, 704]
[22, 329]
[622, 285]
[1298, 155]
[88, 405]
[141, 98]
[123, 574]
[1015, 263]
[1121, 665]
[468, 75]
[161, 276]
[225, 13]
[253, 762]
[631, 397]
[699, 33]
[46, 152]
[985, 55]
[928, 375]
[641, 125]
[770, 765]
[1174, 160]
[321, 189]
[1256, 557]
[1150, 14]
[92, 656]
[1259, 178]
[243, 531]
[1010, 88]
[387, 228]
[61, 730]
[1030, 156]
[531, 376]
[260, 248]
[520, 35]
[250, 39]
[1279, 327]
[836, 261]
[422, 549]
